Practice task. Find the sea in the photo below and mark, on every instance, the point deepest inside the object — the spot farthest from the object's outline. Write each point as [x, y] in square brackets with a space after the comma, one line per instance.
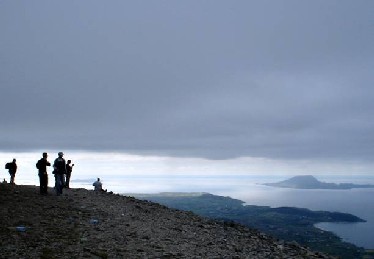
[250, 189]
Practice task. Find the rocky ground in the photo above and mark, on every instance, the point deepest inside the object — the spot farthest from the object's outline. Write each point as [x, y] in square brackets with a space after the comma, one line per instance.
[84, 224]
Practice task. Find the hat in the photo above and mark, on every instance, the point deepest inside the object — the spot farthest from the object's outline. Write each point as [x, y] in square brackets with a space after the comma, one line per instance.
[60, 154]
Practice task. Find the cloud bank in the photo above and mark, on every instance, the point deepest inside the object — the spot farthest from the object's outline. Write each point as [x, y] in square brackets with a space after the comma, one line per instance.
[211, 79]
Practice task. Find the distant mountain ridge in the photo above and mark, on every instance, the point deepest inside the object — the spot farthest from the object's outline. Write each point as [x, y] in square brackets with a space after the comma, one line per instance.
[310, 182]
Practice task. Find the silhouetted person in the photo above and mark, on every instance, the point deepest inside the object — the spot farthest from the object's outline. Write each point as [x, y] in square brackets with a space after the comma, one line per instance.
[98, 186]
[12, 168]
[69, 169]
[43, 175]
[59, 170]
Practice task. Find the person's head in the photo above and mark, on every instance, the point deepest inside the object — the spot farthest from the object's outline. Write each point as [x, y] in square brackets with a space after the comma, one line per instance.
[45, 155]
[98, 179]
[69, 161]
[14, 160]
[60, 154]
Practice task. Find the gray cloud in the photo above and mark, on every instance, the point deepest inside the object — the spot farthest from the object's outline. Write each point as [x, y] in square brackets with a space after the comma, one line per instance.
[215, 79]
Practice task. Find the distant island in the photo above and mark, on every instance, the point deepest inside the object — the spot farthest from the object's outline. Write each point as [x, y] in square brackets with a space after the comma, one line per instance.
[310, 182]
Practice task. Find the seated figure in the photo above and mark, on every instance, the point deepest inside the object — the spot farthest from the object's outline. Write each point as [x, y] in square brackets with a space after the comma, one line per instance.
[98, 186]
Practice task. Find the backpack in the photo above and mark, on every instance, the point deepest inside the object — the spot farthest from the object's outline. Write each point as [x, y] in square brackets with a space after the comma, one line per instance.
[38, 164]
[7, 166]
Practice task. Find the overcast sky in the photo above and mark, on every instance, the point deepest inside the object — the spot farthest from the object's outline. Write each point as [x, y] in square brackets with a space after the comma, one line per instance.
[208, 79]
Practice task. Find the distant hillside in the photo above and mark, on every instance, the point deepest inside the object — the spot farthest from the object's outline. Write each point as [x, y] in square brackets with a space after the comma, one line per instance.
[310, 182]
[85, 224]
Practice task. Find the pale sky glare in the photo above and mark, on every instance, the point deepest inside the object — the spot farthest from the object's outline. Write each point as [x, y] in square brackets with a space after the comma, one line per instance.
[183, 86]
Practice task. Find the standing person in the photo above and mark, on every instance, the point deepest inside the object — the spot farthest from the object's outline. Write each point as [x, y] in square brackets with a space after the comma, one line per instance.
[43, 175]
[69, 169]
[12, 168]
[59, 170]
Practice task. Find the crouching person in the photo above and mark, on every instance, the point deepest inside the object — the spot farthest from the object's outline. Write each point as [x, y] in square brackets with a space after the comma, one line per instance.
[98, 186]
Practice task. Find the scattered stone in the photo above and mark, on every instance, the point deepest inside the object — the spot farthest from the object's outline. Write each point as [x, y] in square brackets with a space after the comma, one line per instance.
[81, 224]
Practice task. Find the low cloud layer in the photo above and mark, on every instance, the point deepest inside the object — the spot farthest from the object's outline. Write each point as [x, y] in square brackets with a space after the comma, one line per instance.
[211, 79]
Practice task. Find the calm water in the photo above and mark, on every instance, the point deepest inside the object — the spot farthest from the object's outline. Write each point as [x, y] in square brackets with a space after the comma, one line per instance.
[247, 188]
[358, 202]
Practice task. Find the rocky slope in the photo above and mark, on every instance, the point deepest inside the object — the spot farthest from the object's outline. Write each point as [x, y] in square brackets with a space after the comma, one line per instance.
[84, 224]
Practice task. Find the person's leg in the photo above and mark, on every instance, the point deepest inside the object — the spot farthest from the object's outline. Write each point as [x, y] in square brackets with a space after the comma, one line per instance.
[63, 180]
[57, 184]
[61, 183]
[41, 183]
[67, 180]
[12, 178]
[44, 183]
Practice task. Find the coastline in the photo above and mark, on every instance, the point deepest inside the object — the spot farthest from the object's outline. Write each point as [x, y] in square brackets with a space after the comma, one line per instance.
[287, 223]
